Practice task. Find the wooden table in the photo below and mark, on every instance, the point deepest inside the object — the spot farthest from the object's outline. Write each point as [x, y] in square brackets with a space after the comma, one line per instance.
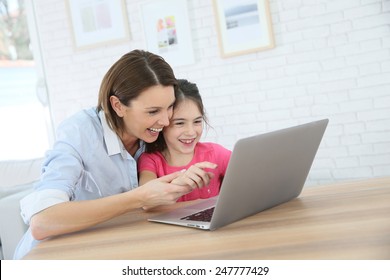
[349, 220]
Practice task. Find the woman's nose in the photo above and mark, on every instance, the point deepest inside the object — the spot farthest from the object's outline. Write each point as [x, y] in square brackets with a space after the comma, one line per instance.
[164, 120]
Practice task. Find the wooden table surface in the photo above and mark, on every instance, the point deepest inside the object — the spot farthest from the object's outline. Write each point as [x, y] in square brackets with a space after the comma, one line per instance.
[349, 220]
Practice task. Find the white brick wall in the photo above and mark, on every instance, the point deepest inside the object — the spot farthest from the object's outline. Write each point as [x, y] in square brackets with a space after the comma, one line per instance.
[332, 60]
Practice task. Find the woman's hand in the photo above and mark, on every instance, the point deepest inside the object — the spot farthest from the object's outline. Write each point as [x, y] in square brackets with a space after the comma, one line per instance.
[162, 191]
[196, 176]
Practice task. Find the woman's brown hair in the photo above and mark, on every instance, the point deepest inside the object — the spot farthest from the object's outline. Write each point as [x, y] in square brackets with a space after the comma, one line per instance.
[133, 73]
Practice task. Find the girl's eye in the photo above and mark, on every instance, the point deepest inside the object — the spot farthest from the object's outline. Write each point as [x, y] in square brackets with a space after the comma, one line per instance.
[179, 123]
[198, 122]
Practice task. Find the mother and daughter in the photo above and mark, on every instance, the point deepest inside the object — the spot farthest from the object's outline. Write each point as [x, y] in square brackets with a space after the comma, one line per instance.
[146, 126]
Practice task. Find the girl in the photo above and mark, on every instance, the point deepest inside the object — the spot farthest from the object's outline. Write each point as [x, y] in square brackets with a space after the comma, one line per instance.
[179, 149]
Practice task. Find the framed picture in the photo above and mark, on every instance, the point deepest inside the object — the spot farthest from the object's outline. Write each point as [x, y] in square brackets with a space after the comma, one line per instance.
[167, 30]
[243, 26]
[97, 22]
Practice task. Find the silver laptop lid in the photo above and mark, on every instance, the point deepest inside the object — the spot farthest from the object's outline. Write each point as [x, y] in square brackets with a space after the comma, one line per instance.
[267, 170]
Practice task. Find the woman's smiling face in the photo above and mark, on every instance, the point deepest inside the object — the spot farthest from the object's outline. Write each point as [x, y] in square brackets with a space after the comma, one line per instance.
[146, 115]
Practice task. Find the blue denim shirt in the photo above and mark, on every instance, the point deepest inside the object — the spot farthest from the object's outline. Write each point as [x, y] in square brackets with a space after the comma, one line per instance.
[88, 161]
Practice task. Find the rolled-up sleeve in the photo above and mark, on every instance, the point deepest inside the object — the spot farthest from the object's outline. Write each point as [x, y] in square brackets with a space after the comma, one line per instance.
[40, 200]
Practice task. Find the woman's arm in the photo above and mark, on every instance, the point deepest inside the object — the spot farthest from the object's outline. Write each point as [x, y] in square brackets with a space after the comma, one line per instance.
[73, 216]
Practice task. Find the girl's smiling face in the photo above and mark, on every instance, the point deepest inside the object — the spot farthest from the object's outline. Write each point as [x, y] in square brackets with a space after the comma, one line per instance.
[184, 130]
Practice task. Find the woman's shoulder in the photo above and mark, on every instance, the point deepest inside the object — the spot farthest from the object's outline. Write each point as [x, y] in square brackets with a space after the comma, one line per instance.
[83, 124]
[82, 118]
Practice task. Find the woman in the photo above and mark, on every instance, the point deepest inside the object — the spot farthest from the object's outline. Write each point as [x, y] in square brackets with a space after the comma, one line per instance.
[90, 175]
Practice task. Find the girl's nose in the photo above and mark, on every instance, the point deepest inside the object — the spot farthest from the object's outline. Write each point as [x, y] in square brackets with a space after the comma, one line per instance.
[190, 129]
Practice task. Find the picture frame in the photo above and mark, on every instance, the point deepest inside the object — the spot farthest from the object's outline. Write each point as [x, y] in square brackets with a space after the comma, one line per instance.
[97, 22]
[243, 26]
[167, 30]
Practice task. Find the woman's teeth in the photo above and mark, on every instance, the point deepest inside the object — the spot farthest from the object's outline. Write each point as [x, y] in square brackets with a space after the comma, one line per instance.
[156, 129]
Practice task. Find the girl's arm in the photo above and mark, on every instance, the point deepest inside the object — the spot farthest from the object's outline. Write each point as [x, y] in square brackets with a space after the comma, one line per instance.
[146, 176]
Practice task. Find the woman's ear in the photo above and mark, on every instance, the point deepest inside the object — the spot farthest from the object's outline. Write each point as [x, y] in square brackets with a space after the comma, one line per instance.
[117, 105]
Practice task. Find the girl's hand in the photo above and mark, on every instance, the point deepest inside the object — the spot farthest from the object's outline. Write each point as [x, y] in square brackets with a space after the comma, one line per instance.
[196, 176]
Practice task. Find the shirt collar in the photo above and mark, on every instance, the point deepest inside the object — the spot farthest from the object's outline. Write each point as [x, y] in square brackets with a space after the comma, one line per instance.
[113, 143]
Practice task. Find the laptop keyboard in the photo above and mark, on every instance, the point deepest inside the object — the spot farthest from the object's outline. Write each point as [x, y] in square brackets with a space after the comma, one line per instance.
[203, 216]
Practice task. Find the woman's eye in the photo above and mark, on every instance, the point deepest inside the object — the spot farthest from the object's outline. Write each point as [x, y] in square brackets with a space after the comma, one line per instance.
[153, 112]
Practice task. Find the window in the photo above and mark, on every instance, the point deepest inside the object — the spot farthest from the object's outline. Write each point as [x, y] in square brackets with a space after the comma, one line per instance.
[25, 124]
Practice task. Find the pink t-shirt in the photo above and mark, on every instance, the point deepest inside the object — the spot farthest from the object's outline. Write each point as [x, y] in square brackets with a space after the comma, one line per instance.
[211, 152]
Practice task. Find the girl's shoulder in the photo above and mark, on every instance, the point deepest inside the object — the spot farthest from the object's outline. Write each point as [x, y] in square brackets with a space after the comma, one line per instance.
[213, 152]
[155, 156]
[210, 146]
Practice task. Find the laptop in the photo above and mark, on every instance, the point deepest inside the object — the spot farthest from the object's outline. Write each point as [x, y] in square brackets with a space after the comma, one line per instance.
[264, 171]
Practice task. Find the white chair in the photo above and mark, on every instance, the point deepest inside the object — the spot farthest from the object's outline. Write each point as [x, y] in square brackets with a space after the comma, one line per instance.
[16, 181]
